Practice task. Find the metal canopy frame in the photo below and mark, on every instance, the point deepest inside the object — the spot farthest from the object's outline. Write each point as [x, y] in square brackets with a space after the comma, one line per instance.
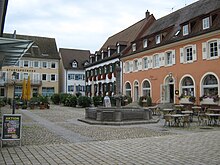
[11, 50]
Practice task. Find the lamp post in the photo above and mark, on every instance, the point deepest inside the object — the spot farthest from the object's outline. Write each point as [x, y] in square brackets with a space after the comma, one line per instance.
[14, 74]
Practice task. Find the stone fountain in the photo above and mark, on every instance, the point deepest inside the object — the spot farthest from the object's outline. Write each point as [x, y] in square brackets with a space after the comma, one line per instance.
[117, 115]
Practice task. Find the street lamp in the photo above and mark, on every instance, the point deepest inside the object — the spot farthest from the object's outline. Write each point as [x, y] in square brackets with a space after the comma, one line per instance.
[14, 74]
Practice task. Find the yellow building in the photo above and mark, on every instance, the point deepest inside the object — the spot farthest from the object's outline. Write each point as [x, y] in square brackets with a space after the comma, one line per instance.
[40, 62]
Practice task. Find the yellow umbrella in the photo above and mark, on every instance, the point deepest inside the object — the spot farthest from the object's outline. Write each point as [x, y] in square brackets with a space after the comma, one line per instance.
[24, 90]
[29, 88]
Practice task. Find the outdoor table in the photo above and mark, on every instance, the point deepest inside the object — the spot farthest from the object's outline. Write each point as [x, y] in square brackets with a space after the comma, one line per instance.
[153, 109]
[179, 107]
[213, 118]
[166, 111]
[190, 113]
[213, 110]
[196, 109]
[177, 118]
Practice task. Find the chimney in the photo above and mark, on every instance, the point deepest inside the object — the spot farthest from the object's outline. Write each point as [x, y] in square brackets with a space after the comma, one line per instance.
[147, 14]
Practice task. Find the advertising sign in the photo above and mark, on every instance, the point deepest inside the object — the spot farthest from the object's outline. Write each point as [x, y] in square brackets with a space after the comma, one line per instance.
[11, 127]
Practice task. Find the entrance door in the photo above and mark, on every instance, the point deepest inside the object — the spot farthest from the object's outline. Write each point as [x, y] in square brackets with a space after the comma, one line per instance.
[171, 92]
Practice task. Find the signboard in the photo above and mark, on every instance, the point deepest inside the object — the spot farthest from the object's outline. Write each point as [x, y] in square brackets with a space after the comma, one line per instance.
[11, 127]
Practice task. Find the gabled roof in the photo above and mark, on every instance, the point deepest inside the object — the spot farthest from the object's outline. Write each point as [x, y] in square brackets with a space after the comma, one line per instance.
[70, 55]
[127, 35]
[183, 15]
[47, 46]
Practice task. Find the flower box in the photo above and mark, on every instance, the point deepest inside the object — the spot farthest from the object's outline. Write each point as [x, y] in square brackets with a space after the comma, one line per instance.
[208, 101]
[185, 101]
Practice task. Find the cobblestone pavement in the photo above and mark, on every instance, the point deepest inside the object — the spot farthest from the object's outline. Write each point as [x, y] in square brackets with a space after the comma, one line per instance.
[56, 137]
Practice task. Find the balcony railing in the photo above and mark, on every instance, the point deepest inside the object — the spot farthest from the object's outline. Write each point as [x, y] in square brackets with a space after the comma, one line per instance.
[9, 82]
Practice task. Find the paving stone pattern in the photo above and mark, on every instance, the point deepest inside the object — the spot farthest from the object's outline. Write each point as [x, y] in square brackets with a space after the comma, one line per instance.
[56, 137]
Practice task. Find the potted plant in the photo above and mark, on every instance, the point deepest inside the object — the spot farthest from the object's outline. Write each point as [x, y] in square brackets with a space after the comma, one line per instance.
[44, 103]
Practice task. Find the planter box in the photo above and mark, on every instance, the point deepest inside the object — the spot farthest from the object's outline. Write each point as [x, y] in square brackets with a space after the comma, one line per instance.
[185, 101]
[208, 101]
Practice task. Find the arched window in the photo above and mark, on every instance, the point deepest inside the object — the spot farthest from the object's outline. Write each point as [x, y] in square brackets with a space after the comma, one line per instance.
[128, 89]
[187, 86]
[146, 88]
[74, 64]
[210, 86]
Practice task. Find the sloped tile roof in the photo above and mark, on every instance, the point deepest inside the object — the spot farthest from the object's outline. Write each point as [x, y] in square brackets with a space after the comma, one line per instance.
[127, 35]
[183, 15]
[47, 46]
[70, 55]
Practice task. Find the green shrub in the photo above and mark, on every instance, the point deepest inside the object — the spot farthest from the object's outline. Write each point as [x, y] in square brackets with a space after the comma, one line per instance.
[63, 97]
[9, 101]
[148, 100]
[84, 101]
[55, 98]
[98, 100]
[2, 103]
[70, 101]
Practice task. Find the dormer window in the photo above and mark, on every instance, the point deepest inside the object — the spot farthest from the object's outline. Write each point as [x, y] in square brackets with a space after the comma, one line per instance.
[145, 43]
[158, 39]
[134, 47]
[109, 52]
[74, 64]
[185, 30]
[205, 23]
[118, 48]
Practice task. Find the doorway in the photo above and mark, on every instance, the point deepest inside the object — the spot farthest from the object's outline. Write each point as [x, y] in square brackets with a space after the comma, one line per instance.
[171, 92]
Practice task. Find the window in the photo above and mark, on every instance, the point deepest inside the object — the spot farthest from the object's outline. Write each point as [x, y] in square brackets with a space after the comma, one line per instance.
[71, 76]
[17, 64]
[135, 64]
[36, 64]
[145, 63]
[127, 67]
[205, 23]
[44, 64]
[146, 88]
[70, 88]
[109, 52]
[118, 48]
[2, 92]
[18, 91]
[187, 87]
[168, 58]
[53, 77]
[210, 86]
[156, 61]
[128, 89]
[47, 91]
[145, 43]
[25, 76]
[188, 53]
[213, 49]
[74, 64]
[44, 77]
[79, 77]
[26, 63]
[134, 47]
[53, 65]
[185, 30]
[158, 39]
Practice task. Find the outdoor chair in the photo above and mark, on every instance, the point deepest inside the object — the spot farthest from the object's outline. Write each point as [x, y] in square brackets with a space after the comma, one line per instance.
[168, 120]
[203, 119]
[186, 121]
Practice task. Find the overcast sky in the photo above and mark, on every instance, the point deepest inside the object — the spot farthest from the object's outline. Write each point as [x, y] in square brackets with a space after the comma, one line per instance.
[82, 24]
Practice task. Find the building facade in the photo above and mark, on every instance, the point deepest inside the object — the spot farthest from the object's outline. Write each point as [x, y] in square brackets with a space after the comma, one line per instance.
[72, 72]
[176, 59]
[40, 62]
[100, 72]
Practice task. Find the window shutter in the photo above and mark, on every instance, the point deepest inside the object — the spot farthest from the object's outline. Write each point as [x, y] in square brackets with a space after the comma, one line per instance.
[162, 59]
[181, 56]
[48, 77]
[173, 57]
[31, 64]
[21, 63]
[218, 45]
[130, 65]
[48, 64]
[204, 50]
[56, 77]
[139, 64]
[21, 76]
[194, 52]
[150, 62]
